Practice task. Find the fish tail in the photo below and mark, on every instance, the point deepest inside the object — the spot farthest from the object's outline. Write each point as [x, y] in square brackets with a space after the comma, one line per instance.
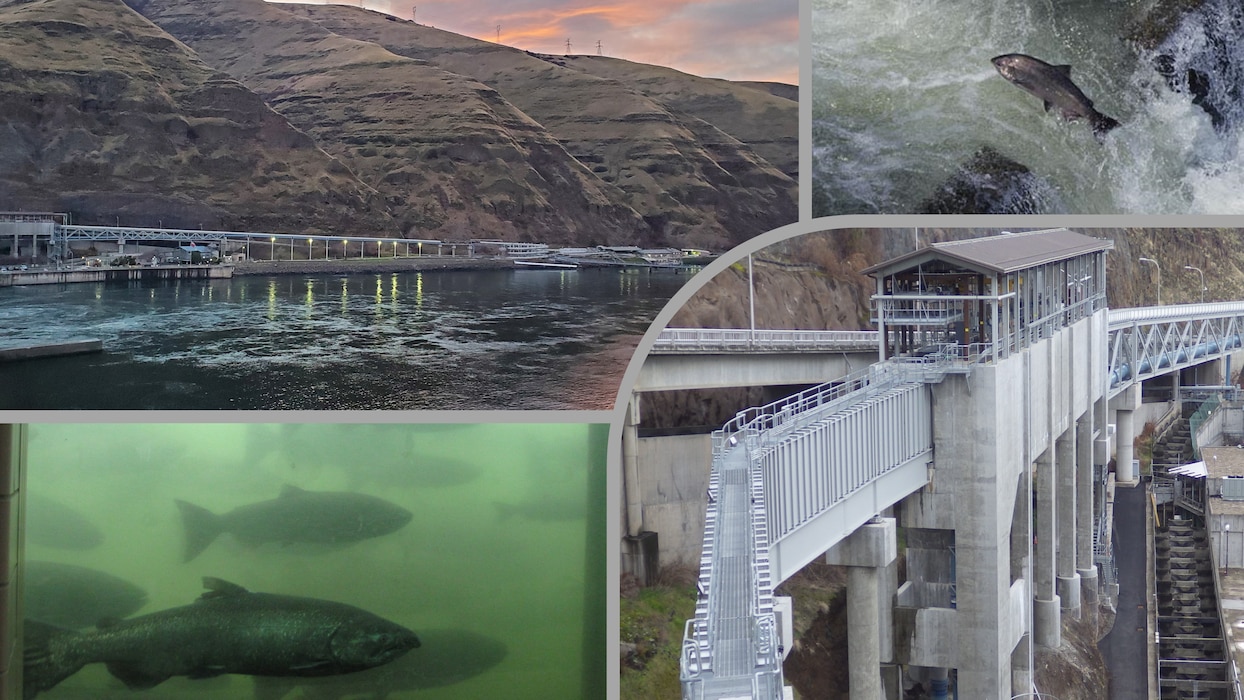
[47, 658]
[1102, 124]
[202, 527]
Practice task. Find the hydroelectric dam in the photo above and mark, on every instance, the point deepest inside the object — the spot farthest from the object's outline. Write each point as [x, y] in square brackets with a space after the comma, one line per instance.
[987, 416]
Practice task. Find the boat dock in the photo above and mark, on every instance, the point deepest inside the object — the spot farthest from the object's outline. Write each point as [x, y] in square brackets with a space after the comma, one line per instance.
[14, 278]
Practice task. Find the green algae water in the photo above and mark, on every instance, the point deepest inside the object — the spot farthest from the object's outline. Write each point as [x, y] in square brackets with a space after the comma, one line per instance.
[500, 568]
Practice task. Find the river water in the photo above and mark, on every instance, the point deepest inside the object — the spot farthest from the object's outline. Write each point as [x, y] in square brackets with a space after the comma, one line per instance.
[904, 93]
[490, 339]
[500, 569]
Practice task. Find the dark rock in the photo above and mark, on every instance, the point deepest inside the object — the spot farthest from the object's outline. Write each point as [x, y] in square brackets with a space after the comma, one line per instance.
[991, 183]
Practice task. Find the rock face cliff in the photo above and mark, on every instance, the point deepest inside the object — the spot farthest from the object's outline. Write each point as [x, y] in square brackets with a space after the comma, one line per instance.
[245, 115]
[104, 115]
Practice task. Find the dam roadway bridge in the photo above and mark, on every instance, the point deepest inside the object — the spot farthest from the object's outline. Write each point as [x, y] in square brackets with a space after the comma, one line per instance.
[988, 453]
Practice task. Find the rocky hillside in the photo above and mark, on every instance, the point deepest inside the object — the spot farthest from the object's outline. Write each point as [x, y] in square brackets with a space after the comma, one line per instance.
[241, 114]
[704, 162]
[104, 115]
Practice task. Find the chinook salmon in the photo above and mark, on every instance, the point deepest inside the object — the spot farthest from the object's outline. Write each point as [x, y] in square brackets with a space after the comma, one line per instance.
[1053, 85]
[296, 516]
[75, 596]
[227, 630]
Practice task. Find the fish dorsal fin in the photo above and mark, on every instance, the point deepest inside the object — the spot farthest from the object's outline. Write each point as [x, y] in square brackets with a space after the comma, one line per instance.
[1064, 69]
[289, 491]
[219, 588]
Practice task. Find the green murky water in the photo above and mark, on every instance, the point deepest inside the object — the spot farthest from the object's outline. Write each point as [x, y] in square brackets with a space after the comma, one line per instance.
[497, 551]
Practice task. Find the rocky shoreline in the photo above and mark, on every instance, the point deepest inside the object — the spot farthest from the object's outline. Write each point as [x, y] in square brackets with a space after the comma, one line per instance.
[368, 265]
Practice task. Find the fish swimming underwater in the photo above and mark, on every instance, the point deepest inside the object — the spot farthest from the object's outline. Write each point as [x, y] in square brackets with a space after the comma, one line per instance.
[51, 523]
[72, 596]
[296, 516]
[445, 657]
[1053, 85]
[227, 630]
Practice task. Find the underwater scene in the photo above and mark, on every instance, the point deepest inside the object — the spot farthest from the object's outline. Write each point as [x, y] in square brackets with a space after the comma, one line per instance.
[314, 561]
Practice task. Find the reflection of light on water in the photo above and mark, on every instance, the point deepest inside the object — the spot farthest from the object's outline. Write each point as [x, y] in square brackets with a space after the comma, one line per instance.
[379, 293]
[271, 300]
[345, 295]
[310, 301]
[393, 286]
[419, 290]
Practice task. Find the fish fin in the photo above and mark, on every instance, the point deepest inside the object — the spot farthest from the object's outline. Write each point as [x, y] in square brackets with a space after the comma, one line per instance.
[133, 675]
[202, 527]
[218, 587]
[206, 672]
[271, 688]
[290, 491]
[1102, 124]
[1064, 69]
[1047, 105]
[45, 662]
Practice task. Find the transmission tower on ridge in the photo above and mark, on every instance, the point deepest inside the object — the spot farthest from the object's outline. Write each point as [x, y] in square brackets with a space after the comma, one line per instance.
[598, 52]
[567, 47]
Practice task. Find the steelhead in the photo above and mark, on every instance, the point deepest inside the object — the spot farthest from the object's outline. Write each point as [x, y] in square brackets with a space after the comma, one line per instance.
[1053, 85]
[227, 630]
[296, 516]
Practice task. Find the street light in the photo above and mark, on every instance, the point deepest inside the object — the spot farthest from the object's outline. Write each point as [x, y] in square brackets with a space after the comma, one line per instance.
[1157, 267]
[272, 249]
[1202, 274]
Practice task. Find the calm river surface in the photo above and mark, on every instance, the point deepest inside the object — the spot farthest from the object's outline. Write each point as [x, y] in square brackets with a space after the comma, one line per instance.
[439, 340]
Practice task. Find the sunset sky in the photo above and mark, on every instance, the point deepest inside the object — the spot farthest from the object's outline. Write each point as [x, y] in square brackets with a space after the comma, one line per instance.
[735, 39]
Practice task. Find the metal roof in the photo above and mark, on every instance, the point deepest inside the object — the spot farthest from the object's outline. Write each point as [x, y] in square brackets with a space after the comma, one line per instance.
[1007, 252]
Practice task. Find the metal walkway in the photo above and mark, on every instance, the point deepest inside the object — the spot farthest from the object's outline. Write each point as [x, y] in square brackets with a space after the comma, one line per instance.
[769, 489]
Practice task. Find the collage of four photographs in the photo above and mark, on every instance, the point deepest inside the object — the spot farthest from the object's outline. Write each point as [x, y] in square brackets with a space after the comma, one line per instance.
[705, 350]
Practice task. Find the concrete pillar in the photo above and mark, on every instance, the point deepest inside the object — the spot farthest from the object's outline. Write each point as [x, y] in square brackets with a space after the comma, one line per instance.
[866, 553]
[1068, 580]
[1125, 403]
[1021, 667]
[863, 643]
[1045, 607]
[1126, 432]
[1086, 523]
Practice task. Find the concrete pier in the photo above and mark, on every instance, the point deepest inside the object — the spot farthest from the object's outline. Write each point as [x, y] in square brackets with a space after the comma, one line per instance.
[866, 553]
[73, 347]
[1068, 581]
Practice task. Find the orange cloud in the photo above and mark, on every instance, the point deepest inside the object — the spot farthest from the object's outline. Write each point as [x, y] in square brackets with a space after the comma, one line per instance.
[718, 38]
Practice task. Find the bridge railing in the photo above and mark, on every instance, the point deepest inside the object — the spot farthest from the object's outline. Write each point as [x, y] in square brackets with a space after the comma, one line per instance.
[748, 340]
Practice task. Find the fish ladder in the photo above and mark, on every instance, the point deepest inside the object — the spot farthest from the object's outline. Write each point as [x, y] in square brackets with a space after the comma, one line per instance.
[775, 468]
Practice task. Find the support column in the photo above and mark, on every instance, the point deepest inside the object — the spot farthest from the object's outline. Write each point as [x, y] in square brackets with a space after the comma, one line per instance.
[866, 553]
[1126, 433]
[1124, 404]
[1045, 606]
[1086, 523]
[1068, 580]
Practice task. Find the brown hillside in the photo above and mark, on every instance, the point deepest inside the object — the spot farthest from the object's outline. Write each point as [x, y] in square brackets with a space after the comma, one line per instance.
[104, 115]
[693, 179]
[453, 158]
